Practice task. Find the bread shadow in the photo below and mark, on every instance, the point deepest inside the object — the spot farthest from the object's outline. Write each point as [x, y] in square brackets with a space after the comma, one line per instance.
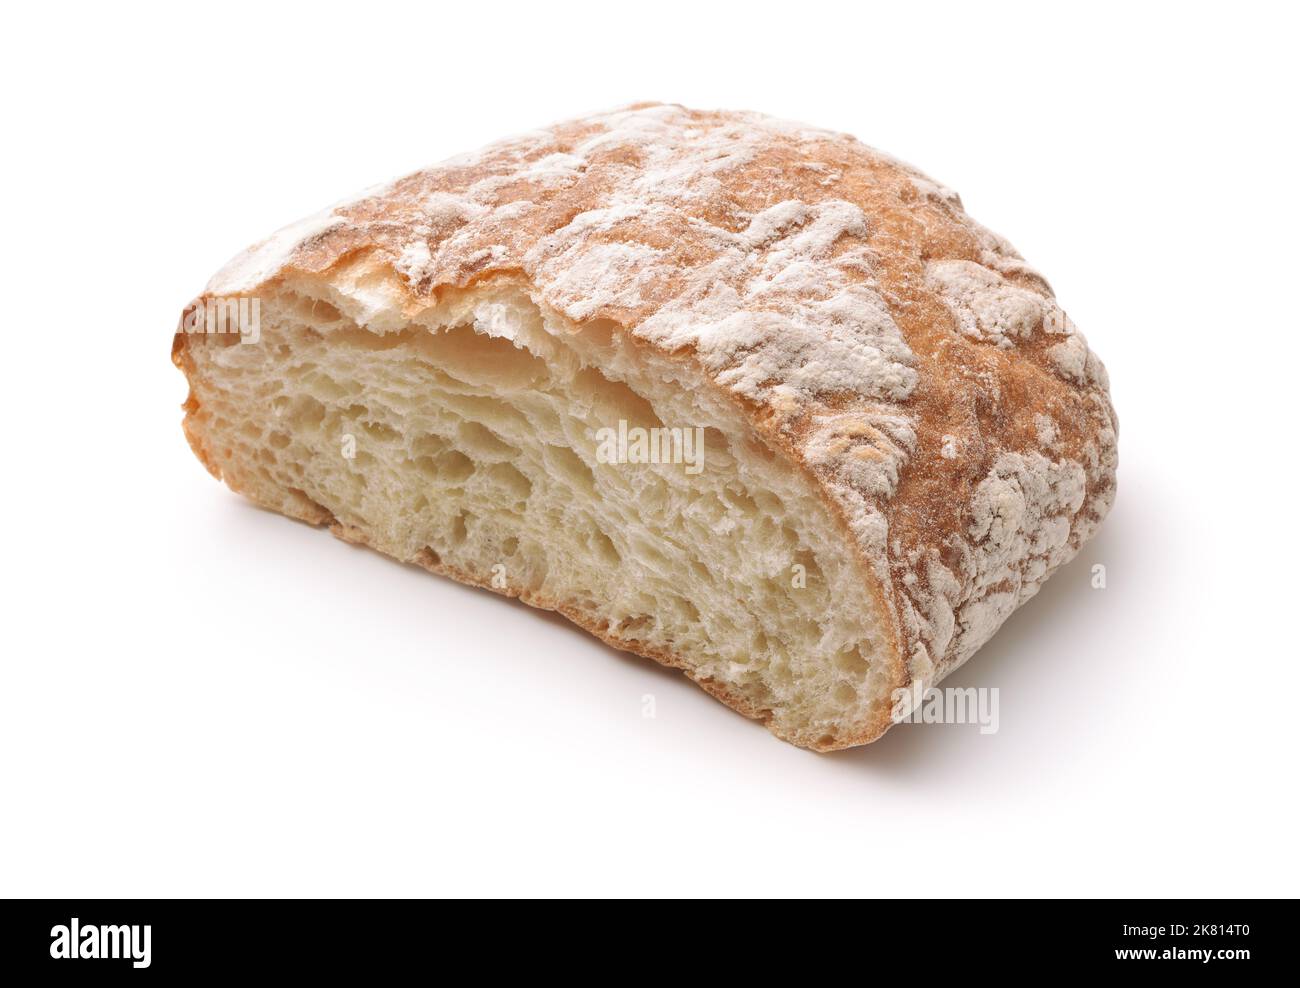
[1016, 659]
[1025, 657]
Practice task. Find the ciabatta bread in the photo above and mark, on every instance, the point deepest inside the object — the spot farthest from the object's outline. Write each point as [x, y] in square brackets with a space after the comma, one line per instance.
[739, 395]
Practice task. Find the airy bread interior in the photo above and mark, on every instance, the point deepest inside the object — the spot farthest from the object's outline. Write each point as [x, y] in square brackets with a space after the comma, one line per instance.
[465, 437]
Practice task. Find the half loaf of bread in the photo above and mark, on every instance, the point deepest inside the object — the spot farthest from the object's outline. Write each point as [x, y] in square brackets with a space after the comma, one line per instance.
[746, 397]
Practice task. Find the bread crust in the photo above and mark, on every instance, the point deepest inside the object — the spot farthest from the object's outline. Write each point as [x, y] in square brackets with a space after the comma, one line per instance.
[901, 356]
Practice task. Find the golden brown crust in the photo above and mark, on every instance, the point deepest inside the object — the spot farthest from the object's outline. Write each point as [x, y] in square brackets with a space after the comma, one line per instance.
[899, 353]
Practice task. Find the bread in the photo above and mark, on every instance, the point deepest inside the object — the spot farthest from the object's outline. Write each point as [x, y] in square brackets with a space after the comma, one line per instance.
[888, 434]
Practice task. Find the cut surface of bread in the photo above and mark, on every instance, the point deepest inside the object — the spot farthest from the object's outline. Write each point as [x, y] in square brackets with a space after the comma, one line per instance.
[747, 398]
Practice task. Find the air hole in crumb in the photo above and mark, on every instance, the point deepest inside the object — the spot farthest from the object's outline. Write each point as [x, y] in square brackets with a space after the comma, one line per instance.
[380, 432]
[853, 662]
[634, 626]
[459, 530]
[508, 478]
[483, 442]
[599, 332]
[742, 500]
[454, 466]
[605, 547]
[570, 468]
[324, 312]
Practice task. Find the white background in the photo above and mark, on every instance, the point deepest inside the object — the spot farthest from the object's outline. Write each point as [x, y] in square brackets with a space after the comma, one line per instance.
[199, 698]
